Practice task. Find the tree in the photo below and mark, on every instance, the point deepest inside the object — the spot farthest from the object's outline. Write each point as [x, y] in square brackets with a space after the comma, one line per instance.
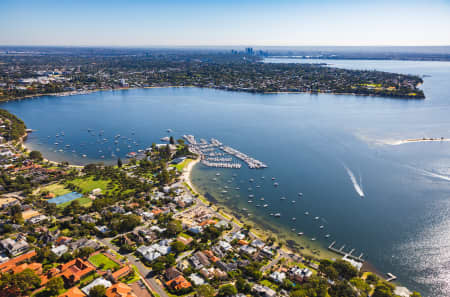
[97, 291]
[342, 289]
[227, 290]
[243, 286]
[205, 291]
[157, 267]
[345, 269]
[84, 252]
[174, 227]
[119, 163]
[416, 294]
[55, 285]
[36, 155]
[383, 290]
[19, 284]
[178, 246]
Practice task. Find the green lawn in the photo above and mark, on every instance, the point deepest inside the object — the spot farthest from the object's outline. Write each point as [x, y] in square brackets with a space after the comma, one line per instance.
[183, 164]
[88, 184]
[56, 189]
[133, 279]
[104, 262]
[84, 201]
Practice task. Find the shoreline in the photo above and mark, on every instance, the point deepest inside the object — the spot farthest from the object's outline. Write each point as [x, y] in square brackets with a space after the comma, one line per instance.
[86, 92]
[289, 242]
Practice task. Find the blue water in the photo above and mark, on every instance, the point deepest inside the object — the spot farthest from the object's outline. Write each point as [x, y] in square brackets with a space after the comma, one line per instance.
[402, 223]
[65, 198]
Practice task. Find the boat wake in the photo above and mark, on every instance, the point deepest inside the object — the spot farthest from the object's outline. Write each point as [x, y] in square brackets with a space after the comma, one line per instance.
[431, 174]
[356, 185]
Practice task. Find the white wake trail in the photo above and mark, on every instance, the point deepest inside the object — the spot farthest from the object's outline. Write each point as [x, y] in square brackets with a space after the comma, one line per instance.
[357, 186]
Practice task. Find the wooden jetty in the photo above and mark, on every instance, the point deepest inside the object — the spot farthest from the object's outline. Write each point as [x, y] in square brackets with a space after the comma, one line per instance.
[342, 252]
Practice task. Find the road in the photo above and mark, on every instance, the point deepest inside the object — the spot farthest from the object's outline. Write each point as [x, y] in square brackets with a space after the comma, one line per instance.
[145, 272]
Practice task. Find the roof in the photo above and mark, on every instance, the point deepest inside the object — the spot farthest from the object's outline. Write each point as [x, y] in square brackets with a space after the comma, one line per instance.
[178, 283]
[121, 272]
[76, 269]
[17, 260]
[29, 214]
[5, 201]
[73, 292]
[119, 290]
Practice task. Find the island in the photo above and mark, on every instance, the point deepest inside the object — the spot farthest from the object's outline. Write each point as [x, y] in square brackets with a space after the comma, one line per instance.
[64, 71]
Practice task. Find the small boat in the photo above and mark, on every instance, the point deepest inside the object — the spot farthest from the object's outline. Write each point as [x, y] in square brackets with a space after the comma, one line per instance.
[262, 199]
[293, 219]
[217, 174]
[277, 215]
[102, 157]
[224, 191]
[293, 229]
[249, 189]
[257, 205]
[322, 226]
[214, 179]
[273, 178]
[250, 201]
[275, 184]
[244, 209]
[313, 239]
[283, 198]
[258, 186]
[265, 205]
[251, 180]
[300, 194]
[300, 233]
[84, 156]
[316, 218]
[327, 236]
[271, 214]
[251, 196]
[56, 143]
[293, 201]
[237, 188]
[306, 213]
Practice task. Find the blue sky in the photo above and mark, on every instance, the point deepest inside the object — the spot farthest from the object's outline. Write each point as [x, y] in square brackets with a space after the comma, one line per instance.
[244, 22]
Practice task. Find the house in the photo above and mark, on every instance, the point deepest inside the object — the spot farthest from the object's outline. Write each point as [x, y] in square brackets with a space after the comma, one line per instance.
[9, 265]
[263, 291]
[14, 246]
[37, 219]
[249, 250]
[87, 219]
[73, 292]
[227, 266]
[122, 272]
[102, 229]
[96, 282]
[257, 243]
[298, 274]
[277, 276]
[171, 273]
[225, 246]
[8, 202]
[196, 229]
[196, 279]
[221, 224]
[178, 283]
[60, 250]
[74, 270]
[183, 265]
[84, 242]
[119, 290]
[202, 258]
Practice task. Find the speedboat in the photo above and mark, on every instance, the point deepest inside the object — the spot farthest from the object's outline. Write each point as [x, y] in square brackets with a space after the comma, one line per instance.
[265, 205]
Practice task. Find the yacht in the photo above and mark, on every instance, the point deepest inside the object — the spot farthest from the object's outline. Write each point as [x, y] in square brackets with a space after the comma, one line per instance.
[265, 205]
[300, 233]
[277, 215]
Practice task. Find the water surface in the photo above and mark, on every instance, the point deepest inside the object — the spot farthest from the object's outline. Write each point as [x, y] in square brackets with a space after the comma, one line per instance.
[321, 145]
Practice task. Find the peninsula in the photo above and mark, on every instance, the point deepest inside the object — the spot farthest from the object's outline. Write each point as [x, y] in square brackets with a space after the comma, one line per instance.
[42, 71]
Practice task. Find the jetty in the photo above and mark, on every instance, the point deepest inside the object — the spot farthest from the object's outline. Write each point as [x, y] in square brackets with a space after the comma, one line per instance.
[341, 251]
[216, 154]
[391, 277]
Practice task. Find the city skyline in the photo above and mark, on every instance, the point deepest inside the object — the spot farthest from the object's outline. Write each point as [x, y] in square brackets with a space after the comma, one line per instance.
[234, 23]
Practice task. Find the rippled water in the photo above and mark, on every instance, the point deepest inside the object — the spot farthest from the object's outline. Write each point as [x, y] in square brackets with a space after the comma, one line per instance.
[309, 142]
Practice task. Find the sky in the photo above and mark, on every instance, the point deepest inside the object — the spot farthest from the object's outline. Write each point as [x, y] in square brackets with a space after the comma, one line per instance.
[220, 23]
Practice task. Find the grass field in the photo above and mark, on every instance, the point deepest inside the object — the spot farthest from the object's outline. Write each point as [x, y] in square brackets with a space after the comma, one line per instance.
[84, 201]
[183, 164]
[88, 184]
[104, 262]
[56, 189]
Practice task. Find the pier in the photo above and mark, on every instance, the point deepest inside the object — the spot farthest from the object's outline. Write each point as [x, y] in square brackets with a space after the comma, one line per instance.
[215, 154]
[342, 252]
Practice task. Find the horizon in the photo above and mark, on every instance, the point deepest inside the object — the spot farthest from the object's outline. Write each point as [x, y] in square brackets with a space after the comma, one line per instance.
[202, 23]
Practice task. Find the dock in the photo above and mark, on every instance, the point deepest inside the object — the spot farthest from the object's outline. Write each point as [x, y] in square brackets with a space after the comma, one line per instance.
[391, 277]
[341, 251]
